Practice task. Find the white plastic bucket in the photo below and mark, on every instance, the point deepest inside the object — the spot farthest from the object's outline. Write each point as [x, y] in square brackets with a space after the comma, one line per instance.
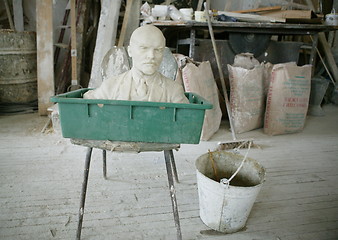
[187, 13]
[332, 18]
[200, 16]
[226, 208]
[160, 11]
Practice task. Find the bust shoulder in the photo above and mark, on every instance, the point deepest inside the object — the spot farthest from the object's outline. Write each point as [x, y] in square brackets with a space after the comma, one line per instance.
[170, 82]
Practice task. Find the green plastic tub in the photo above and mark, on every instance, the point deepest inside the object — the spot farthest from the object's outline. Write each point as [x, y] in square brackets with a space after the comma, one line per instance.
[131, 121]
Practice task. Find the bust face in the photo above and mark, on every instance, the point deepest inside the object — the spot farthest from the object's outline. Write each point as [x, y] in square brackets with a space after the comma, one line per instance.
[146, 49]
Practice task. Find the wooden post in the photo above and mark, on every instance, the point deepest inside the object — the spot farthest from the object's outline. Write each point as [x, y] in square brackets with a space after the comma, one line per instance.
[106, 36]
[199, 5]
[18, 15]
[9, 15]
[125, 22]
[73, 50]
[81, 31]
[329, 56]
[130, 22]
[44, 44]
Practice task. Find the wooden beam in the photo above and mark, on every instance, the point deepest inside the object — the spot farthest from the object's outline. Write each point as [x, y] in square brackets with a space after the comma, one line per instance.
[329, 56]
[81, 31]
[133, 22]
[199, 5]
[117, 146]
[9, 15]
[106, 37]
[18, 15]
[127, 13]
[263, 9]
[252, 17]
[44, 43]
[289, 14]
[327, 50]
[74, 82]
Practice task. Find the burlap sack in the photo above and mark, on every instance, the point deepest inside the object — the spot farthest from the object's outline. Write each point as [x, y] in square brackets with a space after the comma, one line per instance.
[288, 98]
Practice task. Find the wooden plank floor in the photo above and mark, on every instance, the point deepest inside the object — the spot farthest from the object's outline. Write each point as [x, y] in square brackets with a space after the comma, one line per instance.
[41, 177]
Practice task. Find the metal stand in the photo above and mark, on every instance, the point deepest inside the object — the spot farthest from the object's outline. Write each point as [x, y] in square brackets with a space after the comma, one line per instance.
[104, 158]
[84, 191]
[171, 170]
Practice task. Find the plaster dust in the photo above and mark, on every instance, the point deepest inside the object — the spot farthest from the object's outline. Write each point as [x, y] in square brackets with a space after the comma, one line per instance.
[41, 177]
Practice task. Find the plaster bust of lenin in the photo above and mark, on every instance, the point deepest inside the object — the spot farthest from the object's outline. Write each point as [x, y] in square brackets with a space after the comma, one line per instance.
[143, 82]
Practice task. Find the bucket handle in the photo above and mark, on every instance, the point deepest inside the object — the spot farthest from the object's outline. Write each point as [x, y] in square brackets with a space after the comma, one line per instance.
[226, 182]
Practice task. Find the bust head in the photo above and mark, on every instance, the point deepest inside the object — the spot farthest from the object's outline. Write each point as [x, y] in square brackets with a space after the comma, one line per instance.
[146, 48]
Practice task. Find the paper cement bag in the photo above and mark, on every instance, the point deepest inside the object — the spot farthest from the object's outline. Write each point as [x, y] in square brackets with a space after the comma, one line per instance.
[245, 60]
[181, 61]
[267, 68]
[246, 97]
[288, 98]
[198, 78]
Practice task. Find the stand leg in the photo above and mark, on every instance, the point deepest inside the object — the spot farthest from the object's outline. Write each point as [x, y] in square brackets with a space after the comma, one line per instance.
[173, 165]
[172, 193]
[104, 157]
[83, 192]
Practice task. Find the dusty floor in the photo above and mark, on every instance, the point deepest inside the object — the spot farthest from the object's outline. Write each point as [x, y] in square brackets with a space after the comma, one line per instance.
[41, 176]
